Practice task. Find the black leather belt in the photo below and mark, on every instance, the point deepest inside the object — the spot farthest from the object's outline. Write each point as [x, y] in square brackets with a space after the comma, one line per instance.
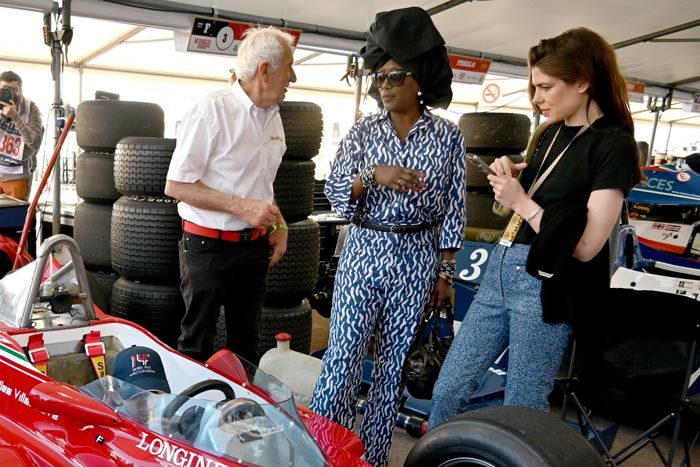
[413, 228]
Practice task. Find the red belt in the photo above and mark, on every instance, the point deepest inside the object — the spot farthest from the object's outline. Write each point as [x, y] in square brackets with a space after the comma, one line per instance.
[228, 235]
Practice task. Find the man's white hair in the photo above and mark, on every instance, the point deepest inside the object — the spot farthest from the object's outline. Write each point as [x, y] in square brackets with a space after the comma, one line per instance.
[260, 45]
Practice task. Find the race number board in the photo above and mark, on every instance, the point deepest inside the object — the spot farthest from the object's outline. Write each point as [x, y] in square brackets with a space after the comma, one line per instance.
[223, 37]
[472, 260]
[11, 147]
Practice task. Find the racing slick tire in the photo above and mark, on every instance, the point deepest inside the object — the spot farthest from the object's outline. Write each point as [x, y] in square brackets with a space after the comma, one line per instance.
[321, 202]
[100, 124]
[158, 308]
[294, 189]
[295, 276]
[494, 133]
[293, 320]
[144, 240]
[91, 231]
[141, 165]
[480, 214]
[504, 436]
[303, 128]
[101, 285]
[476, 179]
[94, 177]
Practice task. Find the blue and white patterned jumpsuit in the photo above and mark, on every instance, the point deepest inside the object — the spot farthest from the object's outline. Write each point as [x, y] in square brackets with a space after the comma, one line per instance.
[384, 279]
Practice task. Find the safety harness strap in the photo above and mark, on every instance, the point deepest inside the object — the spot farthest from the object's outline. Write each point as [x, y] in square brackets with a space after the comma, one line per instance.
[38, 354]
[95, 350]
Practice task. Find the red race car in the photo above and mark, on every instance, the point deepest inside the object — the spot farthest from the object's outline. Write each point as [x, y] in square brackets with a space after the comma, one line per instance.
[78, 387]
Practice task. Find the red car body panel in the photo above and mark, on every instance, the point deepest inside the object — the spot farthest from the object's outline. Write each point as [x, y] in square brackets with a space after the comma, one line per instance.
[50, 422]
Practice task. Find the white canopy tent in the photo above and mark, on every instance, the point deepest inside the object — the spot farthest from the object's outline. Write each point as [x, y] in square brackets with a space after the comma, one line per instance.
[134, 47]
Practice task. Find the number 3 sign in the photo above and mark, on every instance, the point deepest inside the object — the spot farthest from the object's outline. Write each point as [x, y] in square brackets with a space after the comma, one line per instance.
[472, 260]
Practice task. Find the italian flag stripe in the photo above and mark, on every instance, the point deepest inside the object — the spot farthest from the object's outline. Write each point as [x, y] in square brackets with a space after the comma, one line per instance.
[13, 352]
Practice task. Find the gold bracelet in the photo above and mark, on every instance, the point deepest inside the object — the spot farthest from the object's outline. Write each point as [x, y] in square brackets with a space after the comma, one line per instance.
[280, 227]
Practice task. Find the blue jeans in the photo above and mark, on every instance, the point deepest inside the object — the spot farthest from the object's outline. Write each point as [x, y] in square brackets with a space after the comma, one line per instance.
[506, 312]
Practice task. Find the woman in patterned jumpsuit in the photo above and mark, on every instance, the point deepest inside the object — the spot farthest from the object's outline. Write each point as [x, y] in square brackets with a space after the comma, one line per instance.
[400, 176]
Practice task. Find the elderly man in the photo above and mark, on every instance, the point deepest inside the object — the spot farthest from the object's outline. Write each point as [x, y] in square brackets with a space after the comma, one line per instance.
[21, 132]
[229, 147]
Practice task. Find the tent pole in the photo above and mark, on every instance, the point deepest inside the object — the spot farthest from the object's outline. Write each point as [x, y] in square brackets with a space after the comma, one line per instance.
[56, 59]
[56, 39]
[657, 109]
[668, 138]
[657, 114]
[358, 88]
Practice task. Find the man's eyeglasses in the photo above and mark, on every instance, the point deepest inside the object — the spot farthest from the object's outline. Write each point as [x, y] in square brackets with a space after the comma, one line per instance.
[394, 78]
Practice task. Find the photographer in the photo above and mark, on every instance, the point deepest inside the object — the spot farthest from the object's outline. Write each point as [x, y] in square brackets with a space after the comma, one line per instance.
[21, 132]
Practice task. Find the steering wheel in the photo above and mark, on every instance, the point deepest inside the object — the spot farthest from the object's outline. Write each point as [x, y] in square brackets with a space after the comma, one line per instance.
[197, 388]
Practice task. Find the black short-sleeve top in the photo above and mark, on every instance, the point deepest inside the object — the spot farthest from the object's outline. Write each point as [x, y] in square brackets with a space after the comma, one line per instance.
[603, 157]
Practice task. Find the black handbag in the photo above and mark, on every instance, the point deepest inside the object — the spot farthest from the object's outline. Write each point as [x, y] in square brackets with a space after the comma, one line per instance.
[428, 351]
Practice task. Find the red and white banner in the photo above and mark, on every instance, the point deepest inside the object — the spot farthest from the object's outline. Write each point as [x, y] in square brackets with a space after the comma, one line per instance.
[635, 91]
[468, 69]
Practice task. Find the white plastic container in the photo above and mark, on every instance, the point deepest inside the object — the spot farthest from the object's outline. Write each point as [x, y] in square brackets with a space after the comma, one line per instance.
[295, 369]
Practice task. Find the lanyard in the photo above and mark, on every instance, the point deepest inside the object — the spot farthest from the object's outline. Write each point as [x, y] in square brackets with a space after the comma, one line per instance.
[539, 180]
[516, 220]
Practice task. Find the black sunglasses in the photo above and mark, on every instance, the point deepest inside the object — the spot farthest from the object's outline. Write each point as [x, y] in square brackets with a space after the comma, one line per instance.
[394, 78]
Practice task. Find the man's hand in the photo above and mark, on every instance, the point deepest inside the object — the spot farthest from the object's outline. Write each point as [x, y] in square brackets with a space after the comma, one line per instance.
[9, 109]
[278, 240]
[257, 214]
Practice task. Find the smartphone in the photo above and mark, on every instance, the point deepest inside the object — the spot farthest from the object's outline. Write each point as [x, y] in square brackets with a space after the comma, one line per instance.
[483, 166]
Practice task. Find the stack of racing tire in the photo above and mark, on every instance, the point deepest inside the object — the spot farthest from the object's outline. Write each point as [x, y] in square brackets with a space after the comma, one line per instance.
[285, 306]
[489, 136]
[146, 229]
[100, 124]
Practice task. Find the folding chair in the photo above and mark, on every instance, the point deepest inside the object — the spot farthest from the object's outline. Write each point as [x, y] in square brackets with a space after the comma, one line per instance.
[658, 321]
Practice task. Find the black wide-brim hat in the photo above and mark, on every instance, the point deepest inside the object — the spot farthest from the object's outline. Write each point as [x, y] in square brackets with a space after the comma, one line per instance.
[409, 37]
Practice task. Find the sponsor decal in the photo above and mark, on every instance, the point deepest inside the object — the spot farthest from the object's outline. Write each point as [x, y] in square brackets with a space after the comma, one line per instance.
[643, 208]
[174, 455]
[18, 394]
[5, 389]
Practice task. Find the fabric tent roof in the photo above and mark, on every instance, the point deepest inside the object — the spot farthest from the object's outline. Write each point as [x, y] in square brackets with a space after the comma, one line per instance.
[141, 40]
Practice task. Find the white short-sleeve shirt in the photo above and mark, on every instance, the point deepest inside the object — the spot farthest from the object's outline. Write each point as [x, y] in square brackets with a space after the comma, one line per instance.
[232, 146]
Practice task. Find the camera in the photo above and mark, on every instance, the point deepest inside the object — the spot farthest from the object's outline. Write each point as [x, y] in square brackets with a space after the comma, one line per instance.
[6, 95]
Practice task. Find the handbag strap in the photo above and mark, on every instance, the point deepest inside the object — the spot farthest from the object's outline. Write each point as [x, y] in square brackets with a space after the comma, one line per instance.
[432, 315]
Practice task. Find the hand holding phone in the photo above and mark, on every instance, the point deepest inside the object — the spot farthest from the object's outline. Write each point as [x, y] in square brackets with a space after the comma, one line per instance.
[477, 161]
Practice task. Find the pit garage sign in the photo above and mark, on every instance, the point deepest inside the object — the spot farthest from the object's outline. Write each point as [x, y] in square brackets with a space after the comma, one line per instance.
[635, 91]
[221, 36]
[469, 70]
[692, 106]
